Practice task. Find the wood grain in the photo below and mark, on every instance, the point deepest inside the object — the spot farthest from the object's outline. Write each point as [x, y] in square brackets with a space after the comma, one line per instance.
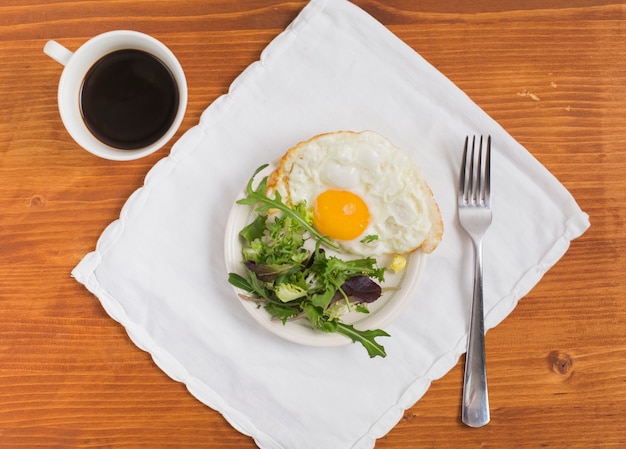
[553, 75]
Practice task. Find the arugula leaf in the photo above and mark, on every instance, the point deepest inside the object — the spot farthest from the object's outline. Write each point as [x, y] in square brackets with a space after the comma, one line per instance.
[366, 338]
[251, 284]
[240, 282]
[369, 238]
[334, 266]
[266, 204]
[282, 312]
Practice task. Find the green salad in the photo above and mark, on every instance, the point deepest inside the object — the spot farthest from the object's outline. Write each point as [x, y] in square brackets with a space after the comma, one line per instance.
[293, 282]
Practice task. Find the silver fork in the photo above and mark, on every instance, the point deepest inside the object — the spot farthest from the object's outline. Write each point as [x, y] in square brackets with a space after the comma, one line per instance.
[475, 218]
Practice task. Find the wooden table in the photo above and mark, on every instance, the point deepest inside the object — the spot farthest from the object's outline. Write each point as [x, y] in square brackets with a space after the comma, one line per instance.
[554, 76]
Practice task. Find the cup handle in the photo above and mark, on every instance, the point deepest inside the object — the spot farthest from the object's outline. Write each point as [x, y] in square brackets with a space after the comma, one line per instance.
[57, 52]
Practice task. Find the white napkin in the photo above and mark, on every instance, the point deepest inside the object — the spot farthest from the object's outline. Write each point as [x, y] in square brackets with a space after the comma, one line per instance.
[159, 270]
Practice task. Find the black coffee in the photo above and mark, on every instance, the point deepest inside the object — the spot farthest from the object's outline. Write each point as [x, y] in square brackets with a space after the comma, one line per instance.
[129, 99]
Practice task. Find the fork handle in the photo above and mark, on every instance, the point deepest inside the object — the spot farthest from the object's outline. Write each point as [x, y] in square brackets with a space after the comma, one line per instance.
[475, 407]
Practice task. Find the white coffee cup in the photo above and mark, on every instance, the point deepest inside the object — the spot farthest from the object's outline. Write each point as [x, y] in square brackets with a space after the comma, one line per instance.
[78, 64]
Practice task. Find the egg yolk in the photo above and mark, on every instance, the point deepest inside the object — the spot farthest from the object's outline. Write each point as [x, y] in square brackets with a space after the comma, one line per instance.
[340, 214]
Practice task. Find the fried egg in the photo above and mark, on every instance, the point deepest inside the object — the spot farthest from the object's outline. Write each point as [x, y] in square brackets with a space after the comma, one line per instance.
[364, 193]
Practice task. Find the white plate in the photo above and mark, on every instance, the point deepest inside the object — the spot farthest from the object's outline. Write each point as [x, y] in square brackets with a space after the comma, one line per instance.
[397, 289]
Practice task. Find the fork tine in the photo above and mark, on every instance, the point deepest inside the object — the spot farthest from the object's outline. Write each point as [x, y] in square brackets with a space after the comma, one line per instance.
[463, 182]
[487, 196]
[471, 193]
